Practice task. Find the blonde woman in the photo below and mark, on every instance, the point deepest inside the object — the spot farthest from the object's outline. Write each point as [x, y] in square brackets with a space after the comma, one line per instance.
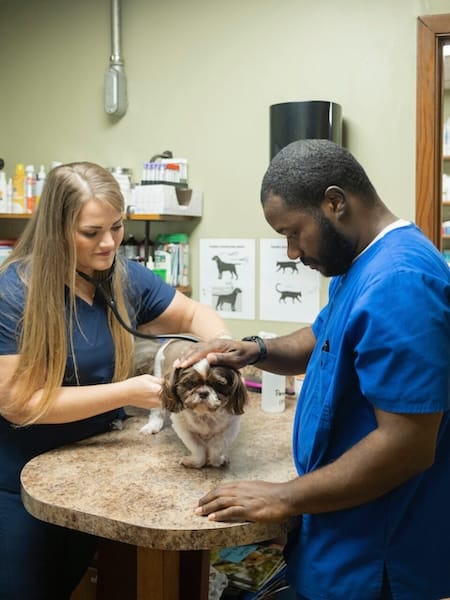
[65, 361]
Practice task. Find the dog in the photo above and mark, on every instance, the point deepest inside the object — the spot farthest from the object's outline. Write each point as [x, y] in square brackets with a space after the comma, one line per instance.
[288, 264]
[295, 296]
[204, 402]
[222, 267]
[228, 299]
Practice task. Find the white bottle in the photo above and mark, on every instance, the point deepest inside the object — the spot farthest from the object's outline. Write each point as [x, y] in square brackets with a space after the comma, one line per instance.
[3, 193]
[9, 196]
[273, 392]
[273, 386]
[40, 183]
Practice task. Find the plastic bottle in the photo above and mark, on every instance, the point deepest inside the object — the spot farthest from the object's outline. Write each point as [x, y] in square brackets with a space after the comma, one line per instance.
[131, 247]
[41, 176]
[123, 177]
[172, 255]
[3, 188]
[30, 189]
[9, 196]
[18, 189]
[273, 387]
[273, 392]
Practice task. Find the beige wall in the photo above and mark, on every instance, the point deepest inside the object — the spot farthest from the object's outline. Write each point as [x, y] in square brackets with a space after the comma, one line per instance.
[201, 77]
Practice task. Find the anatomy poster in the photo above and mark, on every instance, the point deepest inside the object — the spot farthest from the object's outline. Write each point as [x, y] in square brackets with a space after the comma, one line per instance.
[227, 276]
[289, 291]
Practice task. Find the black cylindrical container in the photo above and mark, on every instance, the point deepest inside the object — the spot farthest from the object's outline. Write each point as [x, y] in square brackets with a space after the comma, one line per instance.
[313, 119]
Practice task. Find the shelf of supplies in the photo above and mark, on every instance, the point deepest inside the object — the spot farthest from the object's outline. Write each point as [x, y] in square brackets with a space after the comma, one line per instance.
[140, 217]
[130, 217]
[15, 215]
[146, 219]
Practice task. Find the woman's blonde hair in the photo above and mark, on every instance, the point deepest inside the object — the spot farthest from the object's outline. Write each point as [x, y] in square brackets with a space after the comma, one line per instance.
[46, 254]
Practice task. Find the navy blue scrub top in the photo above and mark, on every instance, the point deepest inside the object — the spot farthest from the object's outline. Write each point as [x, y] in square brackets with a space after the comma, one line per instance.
[148, 295]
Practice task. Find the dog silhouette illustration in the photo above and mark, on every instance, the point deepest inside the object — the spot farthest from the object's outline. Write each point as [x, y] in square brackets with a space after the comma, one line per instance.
[223, 267]
[228, 299]
[294, 296]
[287, 264]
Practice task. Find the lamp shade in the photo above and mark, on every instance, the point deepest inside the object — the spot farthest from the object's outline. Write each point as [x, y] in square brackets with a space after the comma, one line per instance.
[313, 119]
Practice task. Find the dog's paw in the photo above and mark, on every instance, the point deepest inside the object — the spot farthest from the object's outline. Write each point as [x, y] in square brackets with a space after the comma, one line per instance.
[154, 425]
[192, 463]
[218, 461]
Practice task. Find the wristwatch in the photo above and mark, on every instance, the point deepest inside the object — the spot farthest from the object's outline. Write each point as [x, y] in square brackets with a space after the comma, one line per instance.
[261, 346]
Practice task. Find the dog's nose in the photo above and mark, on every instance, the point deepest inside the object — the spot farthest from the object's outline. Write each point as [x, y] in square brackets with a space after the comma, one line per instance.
[203, 395]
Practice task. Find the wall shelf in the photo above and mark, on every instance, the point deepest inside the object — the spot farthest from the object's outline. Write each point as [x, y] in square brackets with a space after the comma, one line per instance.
[130, 217]
[15, 215]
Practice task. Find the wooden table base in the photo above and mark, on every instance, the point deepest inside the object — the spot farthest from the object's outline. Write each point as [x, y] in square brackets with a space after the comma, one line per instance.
[135, 573]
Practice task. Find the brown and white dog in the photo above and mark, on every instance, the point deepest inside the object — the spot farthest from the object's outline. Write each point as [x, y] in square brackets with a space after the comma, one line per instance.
[205, 403]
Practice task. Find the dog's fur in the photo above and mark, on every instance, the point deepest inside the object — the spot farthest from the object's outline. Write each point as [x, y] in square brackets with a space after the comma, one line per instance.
[205, 408]
[228, 299]
[224, 266]
[294, 296]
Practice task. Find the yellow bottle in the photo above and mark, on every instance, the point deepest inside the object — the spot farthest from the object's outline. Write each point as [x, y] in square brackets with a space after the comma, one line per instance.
[19, 189]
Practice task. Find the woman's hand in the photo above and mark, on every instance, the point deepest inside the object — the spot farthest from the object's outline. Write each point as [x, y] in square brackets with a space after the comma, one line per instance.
[246, 501]
[144, 391]
[229, 353]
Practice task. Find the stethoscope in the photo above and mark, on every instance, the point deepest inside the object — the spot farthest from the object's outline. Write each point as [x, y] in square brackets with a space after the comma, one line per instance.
[104, 286]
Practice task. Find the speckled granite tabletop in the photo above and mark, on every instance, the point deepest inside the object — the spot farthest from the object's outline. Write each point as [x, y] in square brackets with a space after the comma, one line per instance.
[128, 486]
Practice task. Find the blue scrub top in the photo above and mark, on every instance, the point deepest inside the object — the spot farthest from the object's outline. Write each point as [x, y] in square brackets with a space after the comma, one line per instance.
[148, 296]
[383, 341]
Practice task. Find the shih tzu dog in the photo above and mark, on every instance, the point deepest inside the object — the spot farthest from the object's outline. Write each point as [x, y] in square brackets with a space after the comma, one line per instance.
[205, 403]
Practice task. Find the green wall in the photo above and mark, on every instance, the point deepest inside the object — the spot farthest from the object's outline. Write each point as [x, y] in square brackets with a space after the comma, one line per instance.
[201, 77]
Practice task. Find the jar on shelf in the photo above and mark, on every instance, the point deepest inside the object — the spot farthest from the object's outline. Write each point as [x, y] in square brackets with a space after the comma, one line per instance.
[130, 247]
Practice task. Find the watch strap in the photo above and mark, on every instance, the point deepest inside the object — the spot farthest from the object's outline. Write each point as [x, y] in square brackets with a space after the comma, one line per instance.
[261, 346]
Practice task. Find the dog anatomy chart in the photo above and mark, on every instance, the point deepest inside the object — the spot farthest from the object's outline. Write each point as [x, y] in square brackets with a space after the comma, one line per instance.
[227, 276]
[289, 291]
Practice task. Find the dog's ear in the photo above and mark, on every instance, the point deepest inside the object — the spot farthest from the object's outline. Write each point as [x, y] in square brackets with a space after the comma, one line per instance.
[170, 398]
[238, 395]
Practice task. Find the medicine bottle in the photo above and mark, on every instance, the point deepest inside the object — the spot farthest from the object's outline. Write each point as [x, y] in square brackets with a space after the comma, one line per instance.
[3, 188]
[18, 189]
[30, 189]
[41, 177]
[131, 247]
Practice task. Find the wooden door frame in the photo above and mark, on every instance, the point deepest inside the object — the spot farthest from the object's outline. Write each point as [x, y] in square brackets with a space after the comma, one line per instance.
[432, 32]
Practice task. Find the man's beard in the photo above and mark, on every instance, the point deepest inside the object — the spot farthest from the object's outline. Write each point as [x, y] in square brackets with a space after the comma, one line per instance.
[336, 253]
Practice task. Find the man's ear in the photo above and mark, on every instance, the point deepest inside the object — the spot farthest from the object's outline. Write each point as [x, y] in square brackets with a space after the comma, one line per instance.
[335, 202]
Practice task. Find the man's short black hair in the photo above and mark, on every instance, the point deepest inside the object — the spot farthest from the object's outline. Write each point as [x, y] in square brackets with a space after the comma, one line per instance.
[302, 171]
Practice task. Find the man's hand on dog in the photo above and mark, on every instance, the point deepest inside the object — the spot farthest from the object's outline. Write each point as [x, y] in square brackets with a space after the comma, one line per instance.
[229, 353]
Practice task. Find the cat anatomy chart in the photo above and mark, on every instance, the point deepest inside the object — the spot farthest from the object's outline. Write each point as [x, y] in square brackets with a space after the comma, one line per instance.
[288, 290]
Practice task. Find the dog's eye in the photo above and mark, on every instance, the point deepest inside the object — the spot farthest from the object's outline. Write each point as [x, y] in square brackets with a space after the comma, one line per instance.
[188, 385]
[221, 386]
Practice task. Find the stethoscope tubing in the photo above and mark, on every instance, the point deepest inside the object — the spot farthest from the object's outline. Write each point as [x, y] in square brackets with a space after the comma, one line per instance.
[108, 296]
